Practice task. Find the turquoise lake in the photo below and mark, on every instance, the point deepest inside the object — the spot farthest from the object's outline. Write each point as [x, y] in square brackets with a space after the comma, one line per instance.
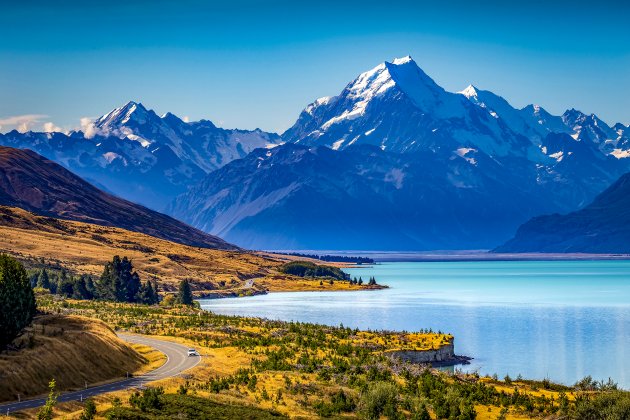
[560, 320]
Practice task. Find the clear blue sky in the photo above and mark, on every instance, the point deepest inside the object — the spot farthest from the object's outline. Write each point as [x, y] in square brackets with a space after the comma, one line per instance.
[254, 64]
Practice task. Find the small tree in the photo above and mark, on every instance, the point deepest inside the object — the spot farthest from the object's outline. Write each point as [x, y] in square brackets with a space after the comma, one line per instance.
[65, 285]
[89, 411]
[149, 399]
[119, 282]
[17, 300]
[43, 280]
[147, 295]
[184, 294]
[46, 412]
[80, 290]
[379, 399]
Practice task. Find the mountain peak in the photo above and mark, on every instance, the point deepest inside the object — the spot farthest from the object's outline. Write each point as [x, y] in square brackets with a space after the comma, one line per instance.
[169, 117]
[120, 116]
[470, 91]
[403, 60]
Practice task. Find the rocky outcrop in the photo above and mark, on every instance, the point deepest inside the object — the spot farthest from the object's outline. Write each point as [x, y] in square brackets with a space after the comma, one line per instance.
[443, 356]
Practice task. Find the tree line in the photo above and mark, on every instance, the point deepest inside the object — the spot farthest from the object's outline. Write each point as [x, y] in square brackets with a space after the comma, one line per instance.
[309, 269]
[371, 281]
[335, 258]
[118, 283]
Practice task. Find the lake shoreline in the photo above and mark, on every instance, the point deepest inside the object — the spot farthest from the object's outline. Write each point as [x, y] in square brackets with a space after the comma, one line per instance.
[471, 256]
[561, 313]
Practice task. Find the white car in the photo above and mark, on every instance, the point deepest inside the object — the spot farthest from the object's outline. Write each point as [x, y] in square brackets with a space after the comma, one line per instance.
[192, 352]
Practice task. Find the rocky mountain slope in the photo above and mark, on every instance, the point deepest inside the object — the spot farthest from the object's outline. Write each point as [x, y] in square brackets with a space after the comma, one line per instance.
[36, 184]
[296, 197]
[601, 227]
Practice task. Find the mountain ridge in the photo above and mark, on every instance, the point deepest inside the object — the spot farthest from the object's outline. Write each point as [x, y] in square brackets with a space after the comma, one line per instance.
[601, 227]
[138, 155]
[392, 147]
[36, 184]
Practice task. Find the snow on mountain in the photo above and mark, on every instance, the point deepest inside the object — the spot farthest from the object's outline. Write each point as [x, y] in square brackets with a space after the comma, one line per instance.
[399, 108]
[200, 142]
[140, 156]
[361, 197]
[406, 165]
[535, 123]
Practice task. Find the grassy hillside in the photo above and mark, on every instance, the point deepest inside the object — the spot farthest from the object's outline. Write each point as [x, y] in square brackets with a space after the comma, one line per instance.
[307, 370]
[69, 348]
[83, 248]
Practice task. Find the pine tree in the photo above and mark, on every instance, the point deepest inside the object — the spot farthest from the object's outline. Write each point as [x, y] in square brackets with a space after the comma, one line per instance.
[43, 280]
[156, 290]
[147, 294]
[106, 285]
[90, 287]
[53, 282]
[184, 294]
[17, 300]
[65, 285]
[80, 290]
[119, 282]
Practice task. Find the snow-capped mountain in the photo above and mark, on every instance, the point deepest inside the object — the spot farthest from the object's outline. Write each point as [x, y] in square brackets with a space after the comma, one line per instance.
[138, 155]
[533, 121]
[406, 165]
[397, 107]
[199, 142]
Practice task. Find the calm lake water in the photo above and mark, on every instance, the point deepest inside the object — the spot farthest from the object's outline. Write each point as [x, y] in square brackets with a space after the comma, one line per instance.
[543, 319]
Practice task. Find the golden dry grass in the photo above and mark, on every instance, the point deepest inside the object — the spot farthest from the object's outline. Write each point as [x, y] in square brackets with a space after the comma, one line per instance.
[70, 349]
[83, 248]
[154, 358]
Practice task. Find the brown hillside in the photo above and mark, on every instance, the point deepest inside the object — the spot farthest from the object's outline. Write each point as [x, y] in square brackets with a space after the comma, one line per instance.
[70, 349]
[34, 183]
[83, 248]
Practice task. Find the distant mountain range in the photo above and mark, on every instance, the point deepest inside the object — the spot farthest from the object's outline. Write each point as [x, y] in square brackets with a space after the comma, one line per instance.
[138, 155]
[36, 184]
[412, 167]
[601, 227]
[393, 162]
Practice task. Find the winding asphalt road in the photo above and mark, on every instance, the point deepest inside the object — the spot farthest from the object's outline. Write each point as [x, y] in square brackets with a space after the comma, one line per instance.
[177, 362]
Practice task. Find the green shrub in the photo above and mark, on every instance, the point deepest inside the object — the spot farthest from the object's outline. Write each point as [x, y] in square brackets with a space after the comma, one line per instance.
[309, 269]
[89, 411]
[379, 399]
[149, 399]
